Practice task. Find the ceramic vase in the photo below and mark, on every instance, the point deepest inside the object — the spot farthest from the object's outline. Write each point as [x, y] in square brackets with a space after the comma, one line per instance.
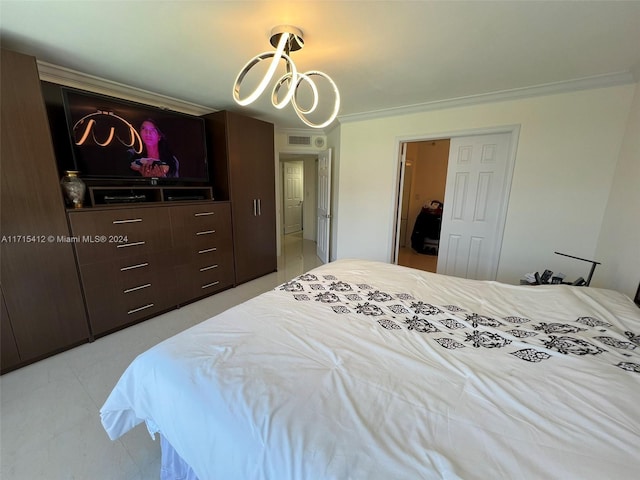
[74, 188]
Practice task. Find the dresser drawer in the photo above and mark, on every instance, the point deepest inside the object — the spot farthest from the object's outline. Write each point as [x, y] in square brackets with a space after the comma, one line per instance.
[121, 274]
[197, 223]
[200, 280]
[119, 233]
[122, 291]
[214, 248]
[211, 244]
[108, 314]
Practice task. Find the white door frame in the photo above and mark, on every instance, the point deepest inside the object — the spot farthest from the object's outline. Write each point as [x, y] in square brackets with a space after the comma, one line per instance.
[402, 160]
[324, 210]
[279, 188]
[514, 130]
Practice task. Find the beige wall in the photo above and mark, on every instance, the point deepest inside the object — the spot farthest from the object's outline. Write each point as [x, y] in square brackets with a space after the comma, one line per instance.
[568, 150]
[619, 243]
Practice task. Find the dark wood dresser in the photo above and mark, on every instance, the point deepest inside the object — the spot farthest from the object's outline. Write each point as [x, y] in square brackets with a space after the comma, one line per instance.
[136, 262]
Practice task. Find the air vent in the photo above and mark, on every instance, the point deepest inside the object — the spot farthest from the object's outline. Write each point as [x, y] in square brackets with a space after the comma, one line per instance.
[305, 143]
[299, 140]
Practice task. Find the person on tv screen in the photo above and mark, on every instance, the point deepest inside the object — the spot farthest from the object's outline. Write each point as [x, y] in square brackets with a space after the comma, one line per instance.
[156, 159]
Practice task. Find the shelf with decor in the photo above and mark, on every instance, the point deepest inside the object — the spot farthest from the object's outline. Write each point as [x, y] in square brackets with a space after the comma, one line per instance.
[100, 196]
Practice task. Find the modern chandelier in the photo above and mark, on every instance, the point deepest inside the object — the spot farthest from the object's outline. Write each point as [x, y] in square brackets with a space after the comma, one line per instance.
[286, 39]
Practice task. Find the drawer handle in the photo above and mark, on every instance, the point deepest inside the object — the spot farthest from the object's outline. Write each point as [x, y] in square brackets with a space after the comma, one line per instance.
[209, 285]
[203, 214]
[131, 267]
[207, 250]
[134, 244]
[206, 232]
[133, 220]
[204, 269]
[128, 290]
[149, 305]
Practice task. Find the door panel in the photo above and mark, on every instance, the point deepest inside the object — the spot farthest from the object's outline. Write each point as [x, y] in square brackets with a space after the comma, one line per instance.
[252, 182]
[324, 205]
[39, 280]
[473, 208]
[293, 175]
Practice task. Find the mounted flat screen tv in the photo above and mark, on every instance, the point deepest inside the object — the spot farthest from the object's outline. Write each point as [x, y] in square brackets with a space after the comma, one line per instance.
[117, 139]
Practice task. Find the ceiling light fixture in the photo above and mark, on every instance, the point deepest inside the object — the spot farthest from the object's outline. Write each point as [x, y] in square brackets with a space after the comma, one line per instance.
[286, 39]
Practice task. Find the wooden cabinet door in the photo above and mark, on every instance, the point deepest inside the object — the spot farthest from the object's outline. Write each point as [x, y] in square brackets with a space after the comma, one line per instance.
[250, 146]
[38, 273]
[8, 348]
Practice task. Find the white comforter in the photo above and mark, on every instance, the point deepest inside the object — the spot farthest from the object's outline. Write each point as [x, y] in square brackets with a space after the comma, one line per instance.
[364, 370]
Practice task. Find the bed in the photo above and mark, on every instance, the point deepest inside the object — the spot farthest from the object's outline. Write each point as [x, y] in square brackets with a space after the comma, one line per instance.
[367, 370]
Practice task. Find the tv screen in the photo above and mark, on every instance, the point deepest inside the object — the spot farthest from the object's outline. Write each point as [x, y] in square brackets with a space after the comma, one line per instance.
[118, 139]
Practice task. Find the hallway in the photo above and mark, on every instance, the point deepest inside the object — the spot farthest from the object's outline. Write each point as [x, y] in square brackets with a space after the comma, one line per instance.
[298, 254]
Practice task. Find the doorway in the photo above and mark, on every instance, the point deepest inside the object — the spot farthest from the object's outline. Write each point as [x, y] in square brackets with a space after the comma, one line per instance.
[316, 199]
[476, 193]
[292, 192]
[298, 195]
[425, 177]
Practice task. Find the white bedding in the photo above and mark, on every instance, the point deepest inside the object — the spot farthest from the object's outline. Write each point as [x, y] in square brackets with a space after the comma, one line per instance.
[365, 370]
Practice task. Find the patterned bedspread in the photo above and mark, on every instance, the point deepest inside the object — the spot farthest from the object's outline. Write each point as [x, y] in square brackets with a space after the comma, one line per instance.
[453, 326]
[364, 370]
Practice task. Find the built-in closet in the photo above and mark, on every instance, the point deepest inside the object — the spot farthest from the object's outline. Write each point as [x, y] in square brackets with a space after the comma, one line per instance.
[244, 172]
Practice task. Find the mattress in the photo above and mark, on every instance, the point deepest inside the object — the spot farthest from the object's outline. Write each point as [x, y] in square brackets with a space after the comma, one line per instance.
[367, 370]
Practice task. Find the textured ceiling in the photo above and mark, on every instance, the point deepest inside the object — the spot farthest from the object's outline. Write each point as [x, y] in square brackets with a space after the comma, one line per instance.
[382, 54]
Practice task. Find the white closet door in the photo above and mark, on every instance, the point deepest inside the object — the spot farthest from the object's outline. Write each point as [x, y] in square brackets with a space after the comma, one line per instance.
[474, 206]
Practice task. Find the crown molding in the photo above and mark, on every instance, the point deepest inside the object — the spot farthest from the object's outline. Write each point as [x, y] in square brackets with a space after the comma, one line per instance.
[599, 81]
[71, 78]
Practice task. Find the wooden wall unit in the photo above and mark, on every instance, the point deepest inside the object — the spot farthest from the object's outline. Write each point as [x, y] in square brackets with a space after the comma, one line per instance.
[244, 172]
[44, 306]
[70, 275]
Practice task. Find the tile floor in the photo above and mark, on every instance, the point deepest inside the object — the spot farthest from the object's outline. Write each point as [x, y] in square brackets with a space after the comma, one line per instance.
[410, 258]
[49, 411]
